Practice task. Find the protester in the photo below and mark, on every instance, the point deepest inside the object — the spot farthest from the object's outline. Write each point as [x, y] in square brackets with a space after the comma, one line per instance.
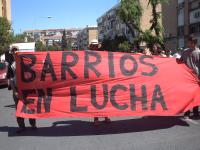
[191, 57]
[156, 50]
[12, 78]
[178, 53]
[94, 45]
[146, 51]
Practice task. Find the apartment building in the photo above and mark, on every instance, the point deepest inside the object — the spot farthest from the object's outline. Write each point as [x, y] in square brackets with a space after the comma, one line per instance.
[180, 18]
[194, 19]
[85, 36]
[188, 20]
[5, 9]
[109, 25]
[170, 23]
[51, 36]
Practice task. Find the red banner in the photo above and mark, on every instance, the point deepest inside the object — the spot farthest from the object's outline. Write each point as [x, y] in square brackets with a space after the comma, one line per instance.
[91, 83]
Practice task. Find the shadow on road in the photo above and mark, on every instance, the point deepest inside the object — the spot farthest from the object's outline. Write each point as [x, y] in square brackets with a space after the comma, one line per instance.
[3, 86]
[82, 128]
[10, 106]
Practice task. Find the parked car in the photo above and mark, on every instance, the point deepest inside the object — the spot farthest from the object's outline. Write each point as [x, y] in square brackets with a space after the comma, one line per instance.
[3, 73]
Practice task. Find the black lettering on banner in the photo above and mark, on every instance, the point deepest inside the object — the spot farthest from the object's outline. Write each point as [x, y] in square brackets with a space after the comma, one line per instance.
[47, 100]
[94, 97]
[91, 65]
[66, 66]
[135, 98]
[159, 99]
[112, 97]
[48, 68]
[111, 65]
[73, 105]
[26, 101]
[123, 69]
[154, 67]
[26, 67]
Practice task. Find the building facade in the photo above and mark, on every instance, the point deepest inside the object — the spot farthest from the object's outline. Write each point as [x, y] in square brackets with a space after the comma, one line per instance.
[188, 21]
[170, 23]
[109, 25]
[5, 9]
[194, 19]
[85, 36]
[180, 18]
[52, 36]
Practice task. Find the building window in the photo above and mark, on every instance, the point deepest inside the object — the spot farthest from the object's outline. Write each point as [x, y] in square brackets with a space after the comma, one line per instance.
[181, 31]
[181, 5]
[197, 14]
[195, 28]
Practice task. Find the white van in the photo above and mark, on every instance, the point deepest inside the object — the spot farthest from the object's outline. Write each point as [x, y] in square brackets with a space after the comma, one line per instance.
[24, 47]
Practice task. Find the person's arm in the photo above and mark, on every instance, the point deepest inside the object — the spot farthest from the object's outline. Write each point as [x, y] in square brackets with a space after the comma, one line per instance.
[196, 63]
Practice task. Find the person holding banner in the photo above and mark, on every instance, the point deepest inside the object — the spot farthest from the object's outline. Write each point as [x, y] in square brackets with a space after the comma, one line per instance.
[191, 57]
[94, 45]
[12, 77]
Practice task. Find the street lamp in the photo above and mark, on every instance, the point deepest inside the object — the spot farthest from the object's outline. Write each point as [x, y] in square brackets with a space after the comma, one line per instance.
[43, 17]
[47, 17]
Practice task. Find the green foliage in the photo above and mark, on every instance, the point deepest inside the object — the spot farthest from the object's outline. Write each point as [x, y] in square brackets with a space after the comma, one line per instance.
[156, 26]
[130, 12]
[124, 47]
[6, 36]
[39, 46]
[53, 48]
[150, 39]
[19, 38]
[157, 2]
[119, 43]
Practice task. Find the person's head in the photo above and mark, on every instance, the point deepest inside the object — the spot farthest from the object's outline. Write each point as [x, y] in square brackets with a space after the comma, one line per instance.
[94, 45]
[192, 42]
[14, 49]
[146, 51]
[156, 49]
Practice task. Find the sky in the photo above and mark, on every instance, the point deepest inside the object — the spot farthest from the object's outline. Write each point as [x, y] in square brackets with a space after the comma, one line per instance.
[33, 14]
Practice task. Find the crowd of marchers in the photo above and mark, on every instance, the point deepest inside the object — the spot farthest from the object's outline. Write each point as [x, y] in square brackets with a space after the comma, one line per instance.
[189, 56]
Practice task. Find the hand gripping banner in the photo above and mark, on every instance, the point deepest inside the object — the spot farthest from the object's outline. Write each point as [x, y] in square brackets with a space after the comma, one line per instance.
[92, 83]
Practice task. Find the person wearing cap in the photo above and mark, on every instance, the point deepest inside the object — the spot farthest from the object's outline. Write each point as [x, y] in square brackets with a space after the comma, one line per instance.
[191, 57]
[94, 45]
[12, 78]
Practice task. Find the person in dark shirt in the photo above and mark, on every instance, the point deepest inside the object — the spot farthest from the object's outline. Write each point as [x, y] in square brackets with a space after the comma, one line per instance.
[191, 57]
[12, 80]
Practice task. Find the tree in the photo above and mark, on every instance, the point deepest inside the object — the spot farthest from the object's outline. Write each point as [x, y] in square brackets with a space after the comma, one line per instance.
[124, 46]
[156, 25]
[130, 12]
[6, 35]
[39, 46]
[64, 41]
[119, 43]
[149, 38]
[19, 38]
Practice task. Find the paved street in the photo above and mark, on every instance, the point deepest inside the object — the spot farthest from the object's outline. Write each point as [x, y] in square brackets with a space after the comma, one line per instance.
[132, 133]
